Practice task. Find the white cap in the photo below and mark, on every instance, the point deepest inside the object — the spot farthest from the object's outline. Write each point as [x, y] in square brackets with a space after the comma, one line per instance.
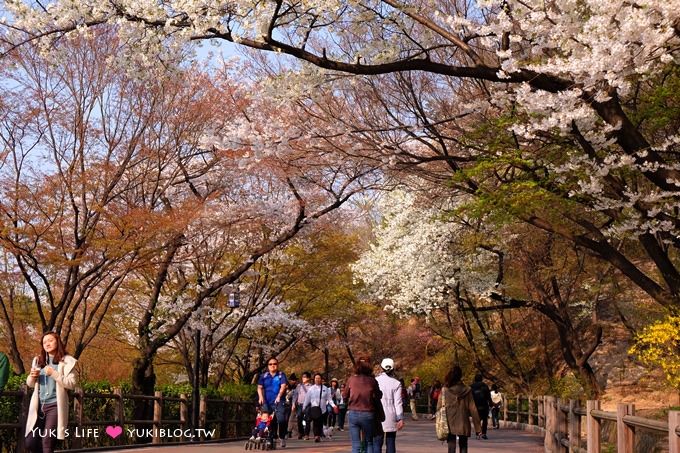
[387, 364]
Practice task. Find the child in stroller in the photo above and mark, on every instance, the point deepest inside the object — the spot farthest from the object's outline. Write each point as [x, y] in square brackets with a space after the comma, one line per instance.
[259, 438]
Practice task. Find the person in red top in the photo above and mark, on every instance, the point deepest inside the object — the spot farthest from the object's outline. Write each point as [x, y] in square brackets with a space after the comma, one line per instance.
[361, 393]
[435, 391]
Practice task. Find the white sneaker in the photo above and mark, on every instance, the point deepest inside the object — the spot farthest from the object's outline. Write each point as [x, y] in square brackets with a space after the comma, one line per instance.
[283, 443]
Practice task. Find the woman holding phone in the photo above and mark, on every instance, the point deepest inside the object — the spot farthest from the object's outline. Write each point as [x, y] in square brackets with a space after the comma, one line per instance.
[52, 373]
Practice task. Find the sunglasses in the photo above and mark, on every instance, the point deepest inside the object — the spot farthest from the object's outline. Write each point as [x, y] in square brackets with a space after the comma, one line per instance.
[271, 364]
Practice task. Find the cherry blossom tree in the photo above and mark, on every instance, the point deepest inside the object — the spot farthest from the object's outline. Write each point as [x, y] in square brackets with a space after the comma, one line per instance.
[561, 114]
[420, 257]
[461, 277]
[235, 340]
[573, 70]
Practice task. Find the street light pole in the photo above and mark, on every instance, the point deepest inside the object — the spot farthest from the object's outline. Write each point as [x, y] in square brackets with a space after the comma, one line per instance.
[196, 394]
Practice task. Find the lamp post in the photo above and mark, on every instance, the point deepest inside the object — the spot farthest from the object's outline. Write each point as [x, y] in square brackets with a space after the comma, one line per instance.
[235, 297]
[196, 393]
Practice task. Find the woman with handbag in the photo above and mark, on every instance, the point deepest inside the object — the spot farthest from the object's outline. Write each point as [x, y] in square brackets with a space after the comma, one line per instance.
[458, 406]
[362, 395]
[317, 398]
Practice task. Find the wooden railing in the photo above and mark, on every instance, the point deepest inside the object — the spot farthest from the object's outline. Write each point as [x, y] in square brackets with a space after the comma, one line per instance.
[230, 419]
[569, 427]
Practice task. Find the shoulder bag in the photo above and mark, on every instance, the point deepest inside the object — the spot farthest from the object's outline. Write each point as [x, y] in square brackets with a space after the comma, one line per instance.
[441, 422]
[315, 411]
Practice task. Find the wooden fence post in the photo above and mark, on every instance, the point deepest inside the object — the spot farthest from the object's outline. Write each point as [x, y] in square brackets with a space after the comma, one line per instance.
[157, 417]
[625, 435]
[673, 438]
[202, 414]
[549, 409]
[505, 410]
[592, 427]
[563, 424]
[120, 413]
[183, 414]
[78, 402]
[574, 427]
[518, 406]
[530, 411]
[541, 411]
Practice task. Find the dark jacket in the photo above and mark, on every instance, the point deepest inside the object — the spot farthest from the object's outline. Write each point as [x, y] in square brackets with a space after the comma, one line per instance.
[482, 396]
[459, 408]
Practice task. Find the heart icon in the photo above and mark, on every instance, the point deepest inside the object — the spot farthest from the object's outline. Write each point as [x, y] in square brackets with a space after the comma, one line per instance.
[114, 431]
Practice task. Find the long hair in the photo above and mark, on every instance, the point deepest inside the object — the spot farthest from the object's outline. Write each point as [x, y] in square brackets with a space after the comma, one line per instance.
[453, 377]
[59, 354]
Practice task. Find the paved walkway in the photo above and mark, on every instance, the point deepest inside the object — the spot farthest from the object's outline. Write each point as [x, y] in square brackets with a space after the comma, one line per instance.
[416, 437]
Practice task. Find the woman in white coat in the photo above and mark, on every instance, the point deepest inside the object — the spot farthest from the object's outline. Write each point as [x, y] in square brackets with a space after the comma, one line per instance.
[52, 372]
[393, 407]
[318, 396]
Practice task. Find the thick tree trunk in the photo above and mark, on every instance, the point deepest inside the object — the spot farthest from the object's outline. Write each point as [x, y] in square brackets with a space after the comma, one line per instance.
[589, 380]
[573, 355]
[513, 370]
[143, 383]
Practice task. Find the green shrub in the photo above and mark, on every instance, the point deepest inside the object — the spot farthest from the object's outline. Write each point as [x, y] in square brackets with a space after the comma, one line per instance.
[567, 387]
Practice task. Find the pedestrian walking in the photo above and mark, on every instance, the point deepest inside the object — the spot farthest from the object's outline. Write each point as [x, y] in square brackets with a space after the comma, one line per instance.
[271, 388]
[302, 389]
[52, 373]
[342, 414]
[317, 400]
[460, 406]
[392, 406]
[496, 405]
[413, 395]
[435, 390]
[289, 398]
[482, 397]
[4, 377]
[335, 394]
[363, 396]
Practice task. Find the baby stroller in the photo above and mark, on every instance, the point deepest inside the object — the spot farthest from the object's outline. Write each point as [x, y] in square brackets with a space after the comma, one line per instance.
[259, 438]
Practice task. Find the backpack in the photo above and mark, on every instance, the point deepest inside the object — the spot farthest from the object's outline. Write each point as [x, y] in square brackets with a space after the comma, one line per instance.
[479, 394]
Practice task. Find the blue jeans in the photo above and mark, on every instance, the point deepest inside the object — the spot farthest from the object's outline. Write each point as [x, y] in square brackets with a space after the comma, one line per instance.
[495, 416]
[279, 424]
[390, 443]
[341, 417]
[361, 421]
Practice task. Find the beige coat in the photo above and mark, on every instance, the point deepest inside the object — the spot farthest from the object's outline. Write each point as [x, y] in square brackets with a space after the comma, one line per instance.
[459, 408]
[66, 378]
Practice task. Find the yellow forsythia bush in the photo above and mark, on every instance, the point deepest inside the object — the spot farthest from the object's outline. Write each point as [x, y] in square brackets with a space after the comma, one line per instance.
[658, 345]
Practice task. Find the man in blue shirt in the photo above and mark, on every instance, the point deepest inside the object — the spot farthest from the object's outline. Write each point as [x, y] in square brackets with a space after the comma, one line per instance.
[270, 390]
